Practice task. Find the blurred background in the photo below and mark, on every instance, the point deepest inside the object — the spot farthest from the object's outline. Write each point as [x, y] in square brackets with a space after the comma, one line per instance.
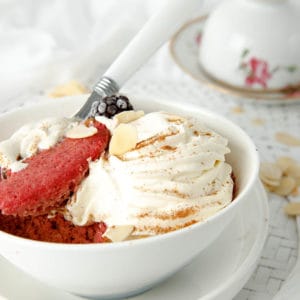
[45, 43]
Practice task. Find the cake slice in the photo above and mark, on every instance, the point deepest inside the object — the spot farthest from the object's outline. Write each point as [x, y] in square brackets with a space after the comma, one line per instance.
[51, 176]
[52, 229]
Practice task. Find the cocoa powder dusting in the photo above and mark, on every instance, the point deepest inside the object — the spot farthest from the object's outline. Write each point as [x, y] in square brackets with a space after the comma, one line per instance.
[168, 148]
[175, 192]
[153, 139]
[197, 133]
[176, 121]
[160, 230]
[180, 214]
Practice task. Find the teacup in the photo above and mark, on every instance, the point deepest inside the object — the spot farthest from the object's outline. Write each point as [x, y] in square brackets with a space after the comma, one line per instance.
[253, 44]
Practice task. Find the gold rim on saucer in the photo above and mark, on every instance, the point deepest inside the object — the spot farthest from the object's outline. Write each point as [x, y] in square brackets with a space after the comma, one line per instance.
[193, 28]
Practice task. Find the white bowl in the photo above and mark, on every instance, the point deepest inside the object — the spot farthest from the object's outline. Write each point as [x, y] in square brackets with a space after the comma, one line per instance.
[126, 268]
[253, 44]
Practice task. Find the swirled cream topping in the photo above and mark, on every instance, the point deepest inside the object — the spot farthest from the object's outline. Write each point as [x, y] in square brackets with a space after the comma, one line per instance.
[174, 175]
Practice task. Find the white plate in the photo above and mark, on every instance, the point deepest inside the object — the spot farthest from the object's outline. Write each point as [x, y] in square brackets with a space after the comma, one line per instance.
[219, 272]
[184, 50]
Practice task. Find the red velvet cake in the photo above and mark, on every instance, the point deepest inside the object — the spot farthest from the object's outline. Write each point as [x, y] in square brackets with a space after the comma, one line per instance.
[51, 175]
[33, 198]
[55, 229]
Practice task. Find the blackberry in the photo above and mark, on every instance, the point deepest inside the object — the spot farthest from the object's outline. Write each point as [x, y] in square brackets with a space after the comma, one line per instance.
[110, 106]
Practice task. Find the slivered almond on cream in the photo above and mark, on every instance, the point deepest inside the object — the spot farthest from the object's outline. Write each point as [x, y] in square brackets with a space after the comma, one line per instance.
[128, 116]
[118, 233]
[80, 131]
[124, 138]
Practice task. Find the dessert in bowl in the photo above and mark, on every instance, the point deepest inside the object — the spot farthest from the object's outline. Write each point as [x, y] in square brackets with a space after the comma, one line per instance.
[122, 268]
[253, 45]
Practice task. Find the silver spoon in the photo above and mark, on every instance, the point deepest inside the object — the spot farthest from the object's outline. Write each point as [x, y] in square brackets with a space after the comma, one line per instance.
[154, 33]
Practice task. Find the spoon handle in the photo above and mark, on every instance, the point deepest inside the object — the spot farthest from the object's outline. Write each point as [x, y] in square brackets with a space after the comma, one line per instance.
[153, 34]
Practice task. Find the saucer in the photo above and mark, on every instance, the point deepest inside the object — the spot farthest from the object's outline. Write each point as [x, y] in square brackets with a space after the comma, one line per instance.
[184, 47]
[219, 272]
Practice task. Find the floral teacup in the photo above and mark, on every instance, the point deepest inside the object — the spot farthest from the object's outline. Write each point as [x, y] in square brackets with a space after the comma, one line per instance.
[253, 44]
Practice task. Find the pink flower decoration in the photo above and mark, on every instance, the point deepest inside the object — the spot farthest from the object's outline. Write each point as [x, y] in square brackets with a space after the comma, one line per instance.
[259, 72]
[198, 38]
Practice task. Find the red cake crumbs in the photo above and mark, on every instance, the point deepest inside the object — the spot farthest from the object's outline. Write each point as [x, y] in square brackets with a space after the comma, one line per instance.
[55, 229]
[51, 175]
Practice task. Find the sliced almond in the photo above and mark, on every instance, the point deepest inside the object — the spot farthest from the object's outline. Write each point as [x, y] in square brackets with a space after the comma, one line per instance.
[269, 182]
[292, 209]
[287, 139]
[69, 89]
[118, 233]
[128, 116]
[295, 192]
[81, 131]
[284, 162]
[293, 170]
[270, 173]
[269, 188]
[286, 186]
[124, 138]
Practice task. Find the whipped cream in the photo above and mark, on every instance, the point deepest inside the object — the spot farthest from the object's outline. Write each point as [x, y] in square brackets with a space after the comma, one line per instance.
[30, 139]
[175, 176]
